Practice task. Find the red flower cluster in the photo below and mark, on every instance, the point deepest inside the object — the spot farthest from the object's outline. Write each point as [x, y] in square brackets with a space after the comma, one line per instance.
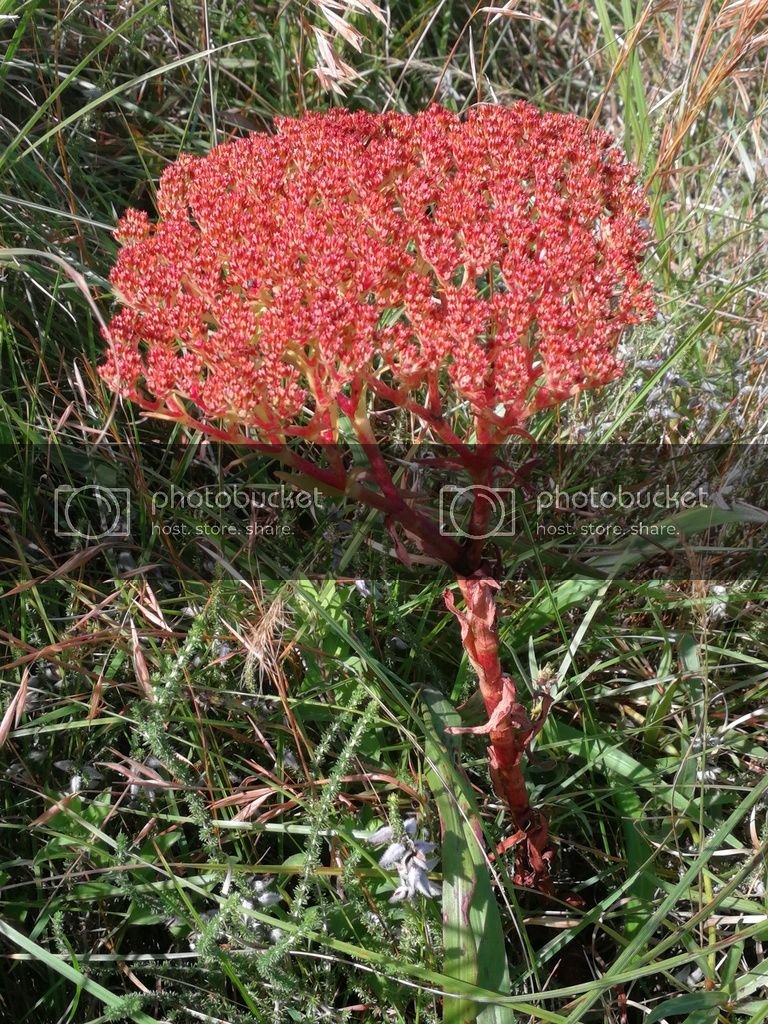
[492, 259]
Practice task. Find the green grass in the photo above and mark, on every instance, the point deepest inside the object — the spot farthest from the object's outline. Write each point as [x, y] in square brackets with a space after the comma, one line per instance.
[180, 726]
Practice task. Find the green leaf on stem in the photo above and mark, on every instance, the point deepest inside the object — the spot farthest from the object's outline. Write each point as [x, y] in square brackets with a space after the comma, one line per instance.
[472, 932]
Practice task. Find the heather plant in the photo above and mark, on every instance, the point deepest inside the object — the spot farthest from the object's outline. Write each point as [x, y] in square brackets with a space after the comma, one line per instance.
[467, 271]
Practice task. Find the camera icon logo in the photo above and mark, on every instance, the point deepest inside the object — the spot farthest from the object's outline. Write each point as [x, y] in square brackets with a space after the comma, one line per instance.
[456, 504]
[92, 512]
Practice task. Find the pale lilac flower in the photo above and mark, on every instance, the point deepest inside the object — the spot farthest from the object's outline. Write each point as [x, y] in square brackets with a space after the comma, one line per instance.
[386, 834]
[393, 855]
[408, 856]
[414, 878]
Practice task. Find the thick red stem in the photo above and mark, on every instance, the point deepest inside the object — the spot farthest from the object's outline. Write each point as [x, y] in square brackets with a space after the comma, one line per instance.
[509, 728]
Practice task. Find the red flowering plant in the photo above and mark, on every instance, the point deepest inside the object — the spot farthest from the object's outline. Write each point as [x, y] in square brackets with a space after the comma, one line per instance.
[469, 271]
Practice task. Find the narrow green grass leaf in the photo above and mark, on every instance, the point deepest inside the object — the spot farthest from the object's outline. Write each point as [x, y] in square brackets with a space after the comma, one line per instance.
[758, 1009]
[66, 970]
[748, 983]
[606, 755]
[110, 94]
[639, 858]
[689, 1003]
[43, 108]
[630, 957]
[472, 932]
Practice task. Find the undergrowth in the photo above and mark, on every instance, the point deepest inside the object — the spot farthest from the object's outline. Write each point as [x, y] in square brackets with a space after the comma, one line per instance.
[199, 732]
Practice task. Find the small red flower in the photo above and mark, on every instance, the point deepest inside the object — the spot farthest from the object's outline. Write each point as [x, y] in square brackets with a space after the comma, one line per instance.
[492, 261]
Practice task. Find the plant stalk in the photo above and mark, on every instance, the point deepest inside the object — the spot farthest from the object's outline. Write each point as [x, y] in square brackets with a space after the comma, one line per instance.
[509, 728]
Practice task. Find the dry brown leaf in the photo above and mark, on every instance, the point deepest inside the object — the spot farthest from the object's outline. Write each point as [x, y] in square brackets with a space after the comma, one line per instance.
[15, 709]
[347, 32]
[140, 665]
